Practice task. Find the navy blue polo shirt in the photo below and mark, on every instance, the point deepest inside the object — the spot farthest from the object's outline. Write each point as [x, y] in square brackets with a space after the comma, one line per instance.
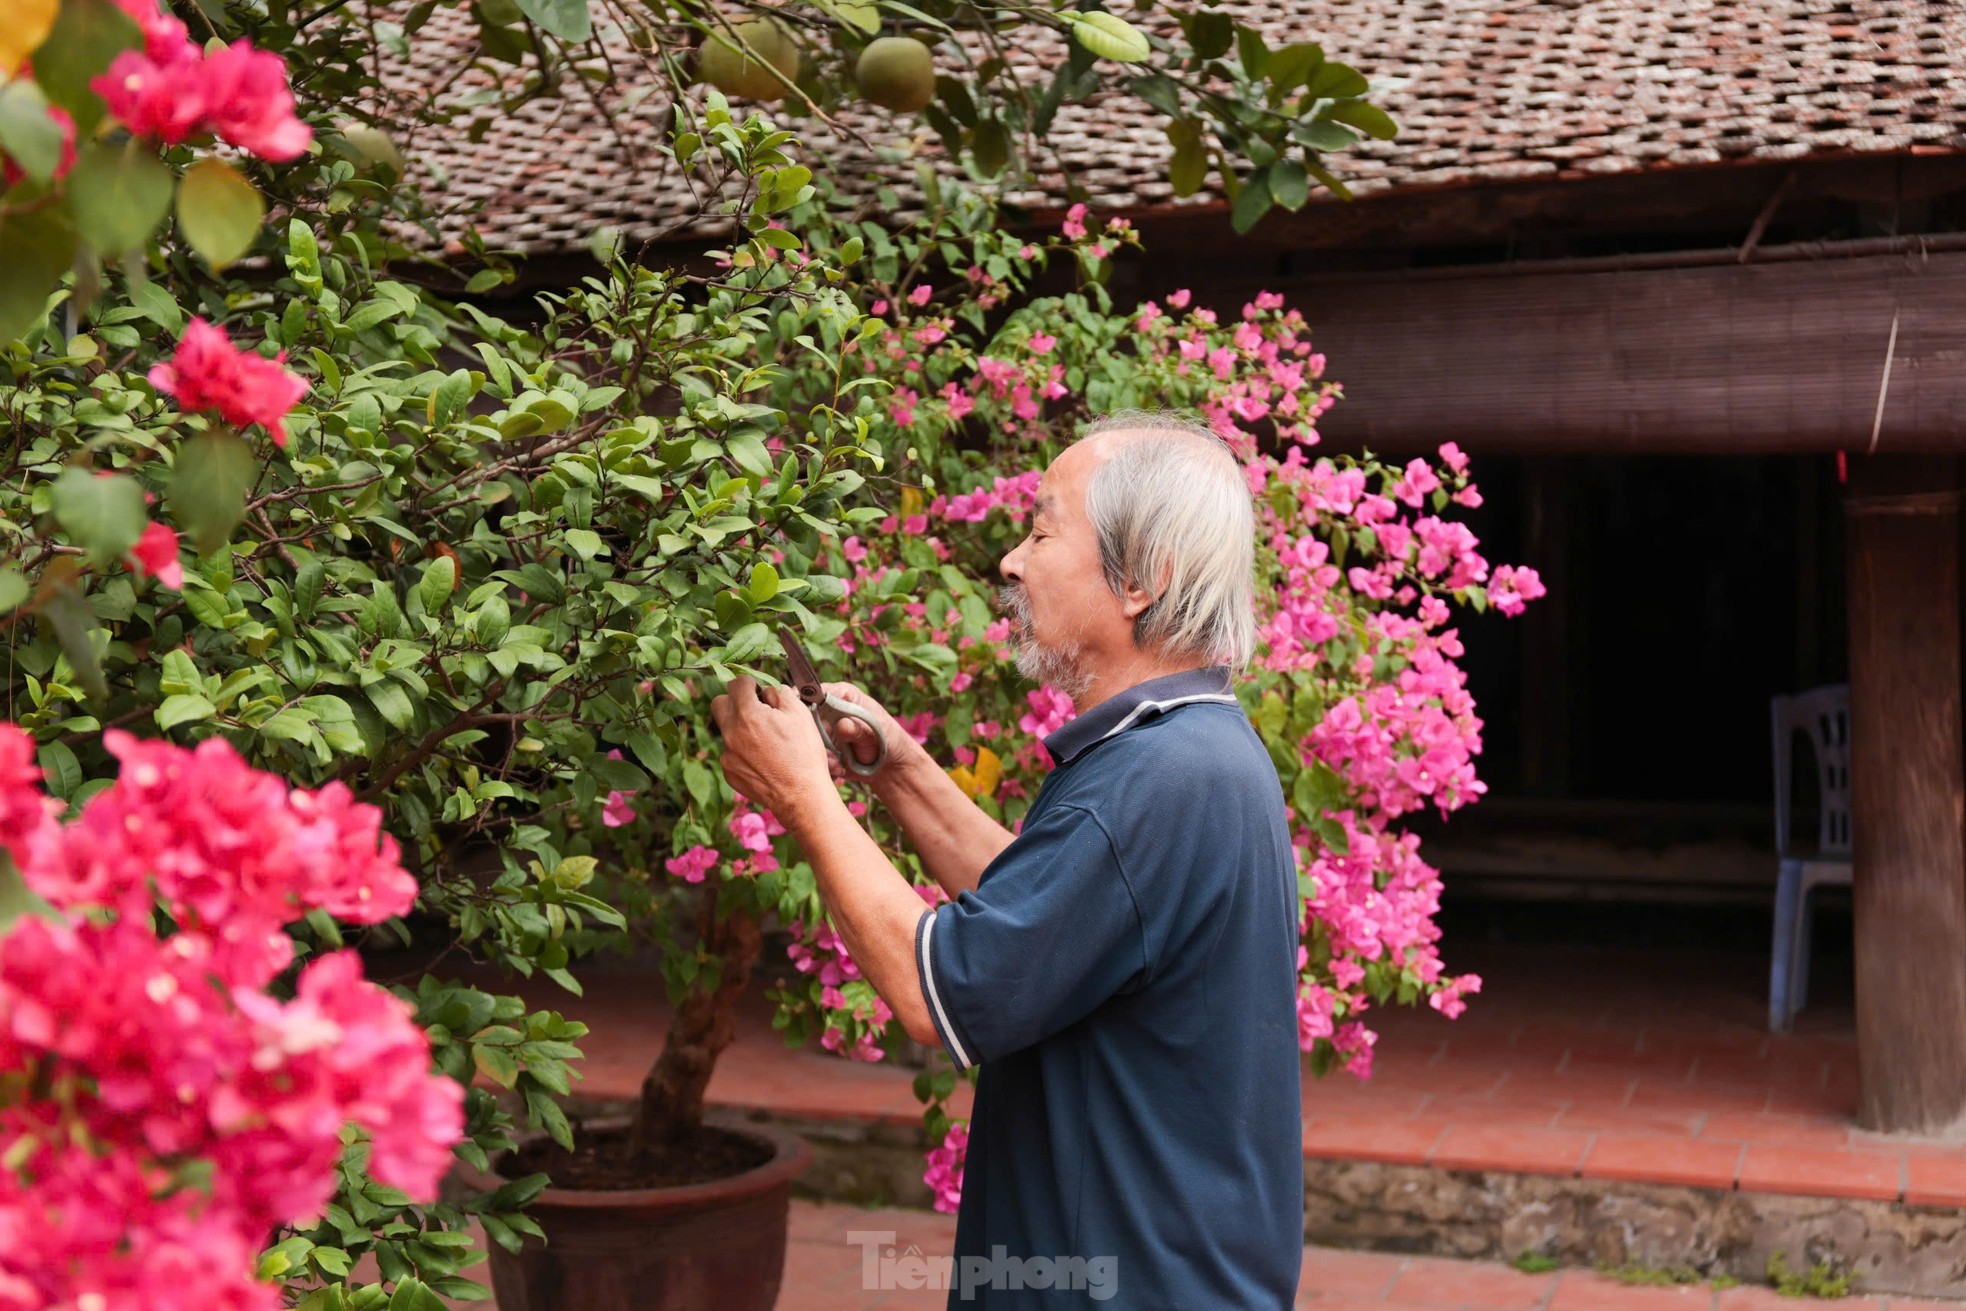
[1125, 974]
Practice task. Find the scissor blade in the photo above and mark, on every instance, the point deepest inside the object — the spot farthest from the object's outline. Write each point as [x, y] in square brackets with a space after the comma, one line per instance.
[805, 679]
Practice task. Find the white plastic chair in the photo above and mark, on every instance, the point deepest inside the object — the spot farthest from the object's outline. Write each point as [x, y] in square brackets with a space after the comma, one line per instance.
[1823, 715]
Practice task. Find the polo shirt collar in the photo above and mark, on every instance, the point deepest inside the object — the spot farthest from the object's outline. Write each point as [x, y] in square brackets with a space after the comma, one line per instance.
[1122, 711]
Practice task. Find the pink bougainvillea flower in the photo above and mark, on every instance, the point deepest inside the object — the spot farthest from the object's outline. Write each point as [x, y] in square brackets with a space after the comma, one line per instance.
[135, 1053]
[693, 865]
[156, 92]
[616, 811]
[156, 555]
[248, 103]
[920, 295]
[1074, 226]
[172, 89]
[944, 1175]
[209, 373]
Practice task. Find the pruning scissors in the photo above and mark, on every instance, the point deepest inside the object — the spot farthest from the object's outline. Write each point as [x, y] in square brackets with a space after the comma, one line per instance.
[827, 711]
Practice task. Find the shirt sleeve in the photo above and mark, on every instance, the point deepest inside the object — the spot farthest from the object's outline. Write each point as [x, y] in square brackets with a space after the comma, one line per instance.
[1052, 931]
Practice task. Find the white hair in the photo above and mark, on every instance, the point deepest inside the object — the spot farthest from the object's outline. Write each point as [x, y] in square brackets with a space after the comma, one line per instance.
[1171, 508]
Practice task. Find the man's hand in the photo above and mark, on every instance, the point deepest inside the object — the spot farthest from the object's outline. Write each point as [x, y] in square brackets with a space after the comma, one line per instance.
[773, 753]
[853, 736]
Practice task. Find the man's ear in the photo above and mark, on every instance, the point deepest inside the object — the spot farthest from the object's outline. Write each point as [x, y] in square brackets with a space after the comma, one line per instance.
[1134, 601]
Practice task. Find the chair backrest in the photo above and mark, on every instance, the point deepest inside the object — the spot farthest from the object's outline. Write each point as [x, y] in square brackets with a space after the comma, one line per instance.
[1823, 715]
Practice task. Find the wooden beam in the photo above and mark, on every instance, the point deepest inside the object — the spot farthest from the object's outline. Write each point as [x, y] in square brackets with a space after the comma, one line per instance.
[1715, 359]
[1908, 792]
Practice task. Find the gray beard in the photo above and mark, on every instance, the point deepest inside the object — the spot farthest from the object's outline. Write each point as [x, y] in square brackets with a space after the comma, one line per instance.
[1048, 666]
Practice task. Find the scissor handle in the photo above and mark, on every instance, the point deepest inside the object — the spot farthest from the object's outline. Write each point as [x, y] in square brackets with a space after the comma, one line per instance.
[842, 708]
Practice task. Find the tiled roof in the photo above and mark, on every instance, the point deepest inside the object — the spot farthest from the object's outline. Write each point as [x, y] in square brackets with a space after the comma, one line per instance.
[1497, 91]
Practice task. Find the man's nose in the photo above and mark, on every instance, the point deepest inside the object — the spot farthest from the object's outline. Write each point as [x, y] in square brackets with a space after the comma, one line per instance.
[1012, 565]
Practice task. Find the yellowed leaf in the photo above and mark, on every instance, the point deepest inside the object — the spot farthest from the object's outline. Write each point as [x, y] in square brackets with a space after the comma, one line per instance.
[964, 780]
[989, 772]
[911, 503]
[24, 25]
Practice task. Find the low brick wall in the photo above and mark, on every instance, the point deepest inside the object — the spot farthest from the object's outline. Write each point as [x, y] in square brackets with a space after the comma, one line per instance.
[1889, 1247]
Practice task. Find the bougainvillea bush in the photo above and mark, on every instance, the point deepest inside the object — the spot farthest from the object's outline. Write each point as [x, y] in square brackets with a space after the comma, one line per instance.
[163, 1107]
[1361, 569]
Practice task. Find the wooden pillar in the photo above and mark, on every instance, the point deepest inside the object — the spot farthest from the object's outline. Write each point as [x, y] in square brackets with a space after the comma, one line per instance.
[1908, 792]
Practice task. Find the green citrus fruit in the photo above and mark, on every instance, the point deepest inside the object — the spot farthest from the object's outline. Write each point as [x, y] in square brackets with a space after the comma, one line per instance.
[371, 146]
[726, 65]
[897, 73]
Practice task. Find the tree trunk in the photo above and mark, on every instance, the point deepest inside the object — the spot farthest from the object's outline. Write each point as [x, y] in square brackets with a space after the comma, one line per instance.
[1907, 792]
[704, 1024]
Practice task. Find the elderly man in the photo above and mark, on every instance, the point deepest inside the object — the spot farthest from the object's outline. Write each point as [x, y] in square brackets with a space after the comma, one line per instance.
[1124, 968]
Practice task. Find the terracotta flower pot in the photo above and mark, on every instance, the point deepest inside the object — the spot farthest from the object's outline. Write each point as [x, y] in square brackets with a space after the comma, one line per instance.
[717, 1246]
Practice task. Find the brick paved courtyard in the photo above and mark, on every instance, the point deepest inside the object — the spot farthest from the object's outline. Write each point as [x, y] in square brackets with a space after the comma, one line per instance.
[824, 1272]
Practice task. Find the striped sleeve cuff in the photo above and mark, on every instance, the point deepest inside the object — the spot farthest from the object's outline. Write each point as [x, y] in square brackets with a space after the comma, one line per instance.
[925, 960]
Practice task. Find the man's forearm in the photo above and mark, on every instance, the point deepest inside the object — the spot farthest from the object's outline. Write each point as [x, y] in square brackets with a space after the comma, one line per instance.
[873, 907]
[950, 833]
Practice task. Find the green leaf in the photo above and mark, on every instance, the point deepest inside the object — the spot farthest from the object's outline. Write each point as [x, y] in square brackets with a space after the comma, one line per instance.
[392, 703]
[1252, 202]
[1335, 80]
[40, 247]
[545, 1113]
[1291, 66]
[60, 770]
[493, 622]
[1321, 134]
[289, 725]
[87, 35]
[989, 147]
[450, 398]
[66, 613]
[1188, 170]
[438, 582]
[101, 513]
[863, 14]
[764, 583]
[183, 709]
[155, 302]
[218, 211]
[27, 135]
[1109, 36]
[1251, 51]
[566, 19]
[1211, 32]
[119, 194]
[1290, 186]
[1367, 118]
[210, 478]
[13, 590]
[412, 1295]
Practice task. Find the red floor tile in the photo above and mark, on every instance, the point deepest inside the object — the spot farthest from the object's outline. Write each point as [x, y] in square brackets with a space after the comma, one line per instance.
[1778, 1131]
[1366, 1138]
[1936, 1180]
[1435, 1283]
[1579, 1291]
[1592, 1117]
[1813, 1173]
[1330, 1273]
[1666, 1160]
[1767, 1299]
[1529, 1151]
[1520, 1110]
